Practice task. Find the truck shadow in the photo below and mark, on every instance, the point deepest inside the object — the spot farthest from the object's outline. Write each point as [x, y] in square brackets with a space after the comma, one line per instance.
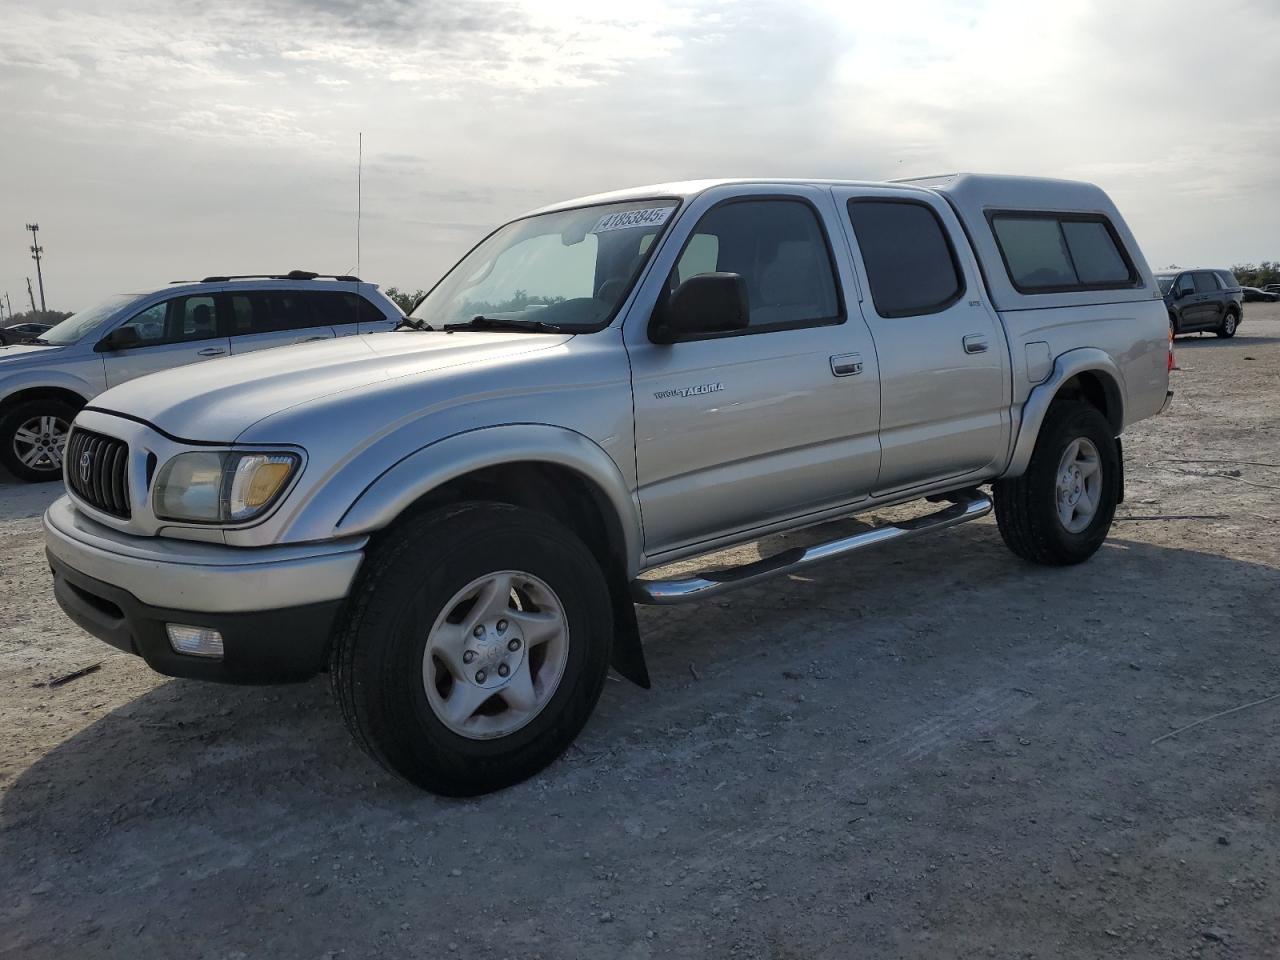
[189, 781]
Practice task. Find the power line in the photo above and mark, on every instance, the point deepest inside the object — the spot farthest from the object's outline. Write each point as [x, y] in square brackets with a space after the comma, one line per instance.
[36, 251]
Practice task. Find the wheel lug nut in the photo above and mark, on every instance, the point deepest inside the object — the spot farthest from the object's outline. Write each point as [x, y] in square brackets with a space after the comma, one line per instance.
[468, 656]
[480, 675]
[513, 644]
[478, 632]
[503, 670]
[502, 625]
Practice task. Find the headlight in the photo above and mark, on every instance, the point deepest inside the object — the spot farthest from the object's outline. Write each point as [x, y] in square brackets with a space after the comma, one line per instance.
[222, 486]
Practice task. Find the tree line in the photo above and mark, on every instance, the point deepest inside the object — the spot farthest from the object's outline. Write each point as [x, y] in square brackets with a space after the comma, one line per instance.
[1259, 275]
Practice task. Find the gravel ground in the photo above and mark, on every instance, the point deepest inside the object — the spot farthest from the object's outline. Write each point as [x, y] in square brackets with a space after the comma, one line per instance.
[933, 750]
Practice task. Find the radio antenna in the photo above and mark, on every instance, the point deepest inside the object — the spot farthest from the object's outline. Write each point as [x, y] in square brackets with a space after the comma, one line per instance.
[359, 194]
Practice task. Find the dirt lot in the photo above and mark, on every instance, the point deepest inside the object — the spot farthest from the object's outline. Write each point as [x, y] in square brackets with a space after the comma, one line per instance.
[931, 751]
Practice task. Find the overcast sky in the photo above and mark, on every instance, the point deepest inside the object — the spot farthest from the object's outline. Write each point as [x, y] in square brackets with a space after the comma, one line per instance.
[162, 140]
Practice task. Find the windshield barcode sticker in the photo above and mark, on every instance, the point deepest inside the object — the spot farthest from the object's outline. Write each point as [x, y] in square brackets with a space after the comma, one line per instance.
[653, 217]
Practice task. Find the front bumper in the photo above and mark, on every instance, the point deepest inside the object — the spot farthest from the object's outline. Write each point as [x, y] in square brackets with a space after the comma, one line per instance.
[275, 607]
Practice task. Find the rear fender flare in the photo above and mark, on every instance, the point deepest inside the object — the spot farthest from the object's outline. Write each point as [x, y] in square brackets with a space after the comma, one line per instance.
[1065, 367]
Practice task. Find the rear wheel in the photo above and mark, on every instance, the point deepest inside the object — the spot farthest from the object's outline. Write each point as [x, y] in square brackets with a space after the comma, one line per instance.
[1173, 326]
[475, 648]
[1060, 510]
[32, 437]
[1229, 324]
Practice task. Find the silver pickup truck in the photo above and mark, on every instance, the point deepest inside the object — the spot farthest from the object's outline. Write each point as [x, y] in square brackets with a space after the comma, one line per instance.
[455, 519]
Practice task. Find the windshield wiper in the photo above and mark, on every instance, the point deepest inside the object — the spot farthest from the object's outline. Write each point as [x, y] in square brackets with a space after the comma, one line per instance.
[412, 324]
[505, 323]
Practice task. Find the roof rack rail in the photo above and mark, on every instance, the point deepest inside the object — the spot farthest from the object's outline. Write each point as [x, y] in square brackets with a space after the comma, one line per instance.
[291, 275]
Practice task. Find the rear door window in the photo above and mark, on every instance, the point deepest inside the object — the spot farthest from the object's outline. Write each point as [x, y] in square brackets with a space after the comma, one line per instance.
[1206, 282]
[1060, 252]
[911, 266]
[272, 311]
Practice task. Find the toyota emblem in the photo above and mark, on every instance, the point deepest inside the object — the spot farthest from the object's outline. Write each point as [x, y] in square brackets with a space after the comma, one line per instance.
[85, 462]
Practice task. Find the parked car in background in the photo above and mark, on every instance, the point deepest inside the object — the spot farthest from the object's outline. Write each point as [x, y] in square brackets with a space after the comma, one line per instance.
[1271, 288]
[45, 382]
[1202, 299]
[1254, 295]
[22, 332]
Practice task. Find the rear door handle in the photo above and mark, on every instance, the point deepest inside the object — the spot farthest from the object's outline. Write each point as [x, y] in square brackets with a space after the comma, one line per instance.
[846, 364]
[309, 339]
[975, 343]
[211, 352]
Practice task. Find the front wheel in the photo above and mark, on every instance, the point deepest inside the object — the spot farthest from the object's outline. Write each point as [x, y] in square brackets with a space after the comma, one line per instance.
[476, 645]
[33, 435]
[1060, 510]
[1229, 324]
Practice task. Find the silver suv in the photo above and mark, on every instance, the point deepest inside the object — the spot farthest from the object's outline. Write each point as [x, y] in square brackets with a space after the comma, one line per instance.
[456, 519]
[45, 382]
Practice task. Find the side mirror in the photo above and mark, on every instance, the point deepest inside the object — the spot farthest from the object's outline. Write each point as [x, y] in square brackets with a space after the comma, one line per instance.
[706, 303]
[121, 338]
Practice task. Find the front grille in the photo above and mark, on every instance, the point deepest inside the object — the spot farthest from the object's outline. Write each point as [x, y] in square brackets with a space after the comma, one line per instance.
[98, 471]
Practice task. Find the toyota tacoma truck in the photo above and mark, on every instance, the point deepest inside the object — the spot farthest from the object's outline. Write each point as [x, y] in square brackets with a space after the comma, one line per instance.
[455, 519]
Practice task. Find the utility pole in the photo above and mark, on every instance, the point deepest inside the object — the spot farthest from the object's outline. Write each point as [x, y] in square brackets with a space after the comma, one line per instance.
[10, 304]
[36, 251]
[31, 296]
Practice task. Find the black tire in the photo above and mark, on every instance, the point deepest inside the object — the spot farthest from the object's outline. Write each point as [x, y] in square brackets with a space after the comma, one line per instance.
[1230, 324]
[408, 578]
[24, 413]
[1173, 325]
[1026, 510]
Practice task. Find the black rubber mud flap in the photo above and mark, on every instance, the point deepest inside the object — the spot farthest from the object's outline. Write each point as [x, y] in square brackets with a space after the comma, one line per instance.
[628, 654]
[1120, 457]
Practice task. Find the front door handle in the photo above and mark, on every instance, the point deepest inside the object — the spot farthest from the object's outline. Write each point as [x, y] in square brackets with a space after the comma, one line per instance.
[309, 339]
[975, 343]
[846, 364]
[211, 352]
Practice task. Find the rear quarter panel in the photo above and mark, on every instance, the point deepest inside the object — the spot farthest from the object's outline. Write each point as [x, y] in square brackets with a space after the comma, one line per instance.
[1134, 334]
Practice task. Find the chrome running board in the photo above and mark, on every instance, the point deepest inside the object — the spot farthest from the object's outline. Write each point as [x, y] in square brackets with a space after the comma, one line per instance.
[966, 505]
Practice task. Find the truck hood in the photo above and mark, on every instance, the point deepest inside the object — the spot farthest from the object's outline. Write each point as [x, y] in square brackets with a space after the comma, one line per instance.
[218, 400]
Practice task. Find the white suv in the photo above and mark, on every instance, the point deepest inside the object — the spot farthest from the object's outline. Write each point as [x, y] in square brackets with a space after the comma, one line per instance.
[43, 384]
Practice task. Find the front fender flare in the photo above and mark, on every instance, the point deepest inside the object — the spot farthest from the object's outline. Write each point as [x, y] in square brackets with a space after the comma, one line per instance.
[1066, 366]
[406, 481]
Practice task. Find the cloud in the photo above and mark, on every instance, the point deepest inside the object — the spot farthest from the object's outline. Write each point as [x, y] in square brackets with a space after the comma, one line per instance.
[165, 137]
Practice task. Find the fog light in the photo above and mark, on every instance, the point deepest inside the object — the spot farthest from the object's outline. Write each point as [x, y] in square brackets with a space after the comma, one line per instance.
[195, 641]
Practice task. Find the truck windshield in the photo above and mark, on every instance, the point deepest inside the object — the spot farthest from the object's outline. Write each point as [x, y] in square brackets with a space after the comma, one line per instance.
[80, 325]
[569, 270]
